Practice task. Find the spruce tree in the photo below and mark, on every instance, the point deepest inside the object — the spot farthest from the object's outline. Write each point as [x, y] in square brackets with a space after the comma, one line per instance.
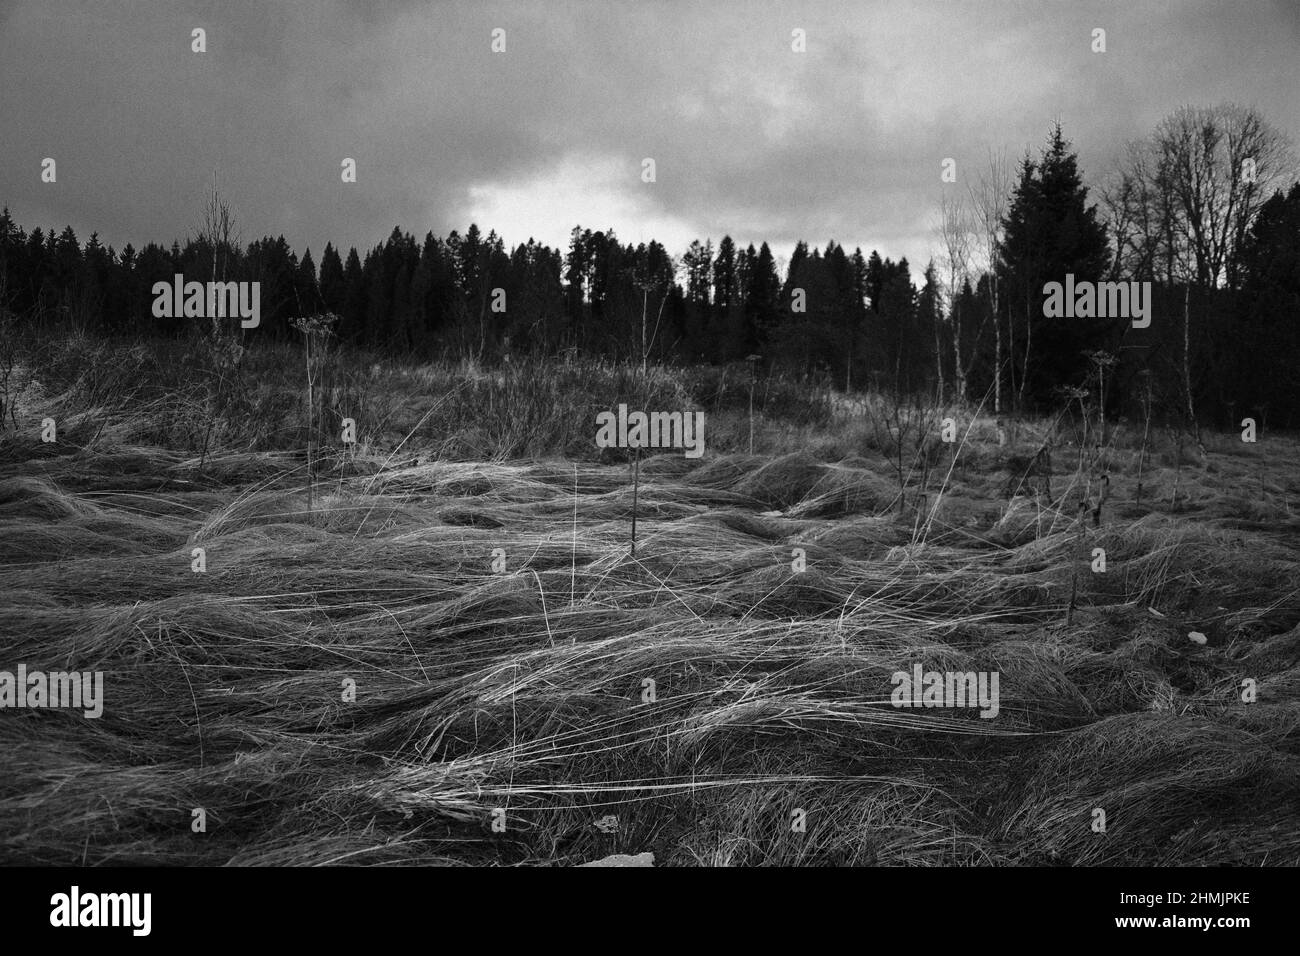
[1050, 231]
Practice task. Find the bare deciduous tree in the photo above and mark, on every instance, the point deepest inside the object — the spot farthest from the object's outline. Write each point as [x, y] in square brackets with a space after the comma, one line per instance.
[988, 193]
[1181, 202]
[1218, 164]
[955, 231]
[218, 232]
[1139, 211]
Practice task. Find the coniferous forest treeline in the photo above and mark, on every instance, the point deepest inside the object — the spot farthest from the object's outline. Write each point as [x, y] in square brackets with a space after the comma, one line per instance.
[1224, 340]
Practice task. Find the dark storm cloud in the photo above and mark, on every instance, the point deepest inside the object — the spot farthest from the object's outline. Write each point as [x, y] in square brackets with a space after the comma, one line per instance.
[844, 141]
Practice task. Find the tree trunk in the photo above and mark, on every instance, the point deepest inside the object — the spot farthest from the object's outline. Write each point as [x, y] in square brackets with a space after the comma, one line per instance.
[997, 338]
[1029, 341]
[959, 373]
[1011, 353]
[938, 352]
[1187, 371]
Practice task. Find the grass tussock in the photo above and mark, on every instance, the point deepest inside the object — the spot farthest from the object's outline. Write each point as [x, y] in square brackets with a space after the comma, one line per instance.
[433, 640]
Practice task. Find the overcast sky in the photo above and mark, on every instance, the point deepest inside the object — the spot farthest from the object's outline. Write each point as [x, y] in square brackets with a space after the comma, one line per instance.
[843, 142]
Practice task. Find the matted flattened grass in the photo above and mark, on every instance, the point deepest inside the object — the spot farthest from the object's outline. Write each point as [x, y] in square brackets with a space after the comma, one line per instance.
[374, 680]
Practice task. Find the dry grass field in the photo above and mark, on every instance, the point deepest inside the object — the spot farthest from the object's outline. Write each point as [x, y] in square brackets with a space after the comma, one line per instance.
[350, 681]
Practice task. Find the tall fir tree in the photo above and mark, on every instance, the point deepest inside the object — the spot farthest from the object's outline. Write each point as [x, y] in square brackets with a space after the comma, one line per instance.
[1051, 232]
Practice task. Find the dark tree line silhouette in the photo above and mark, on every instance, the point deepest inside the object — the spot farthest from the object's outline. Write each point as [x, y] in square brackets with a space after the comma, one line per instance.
[1224, 339]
